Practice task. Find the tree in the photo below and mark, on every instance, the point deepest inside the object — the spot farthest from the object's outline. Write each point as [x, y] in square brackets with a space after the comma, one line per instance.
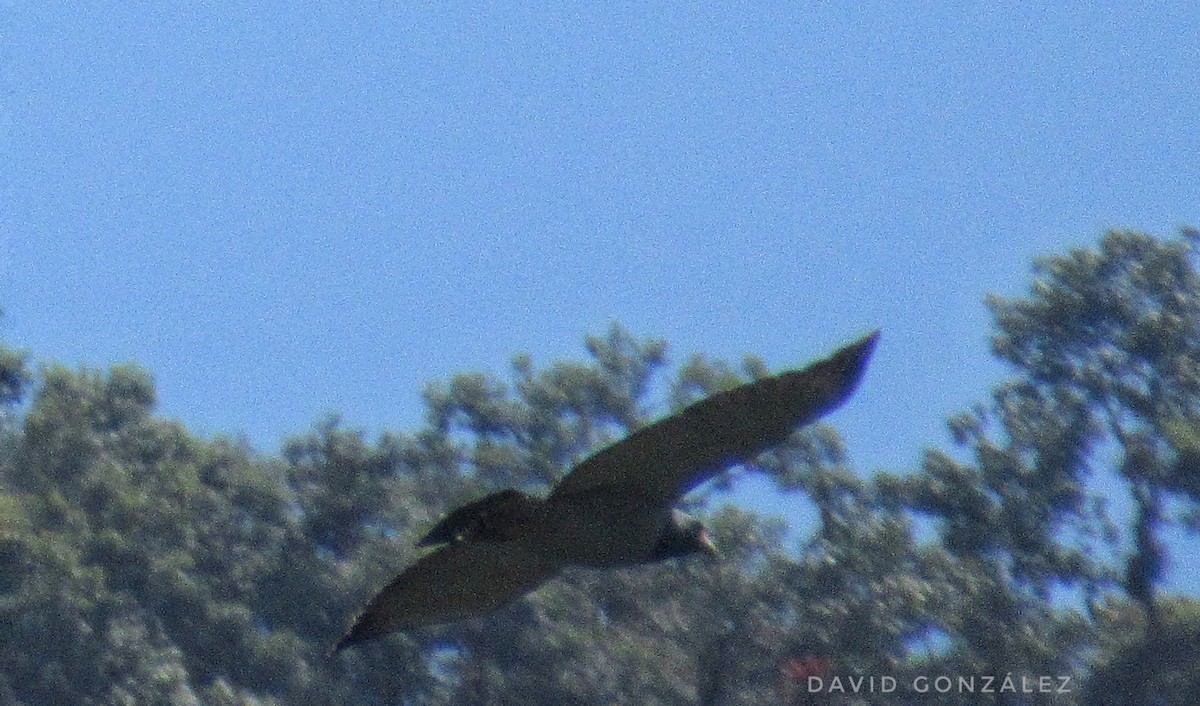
[1115, 334]
[1104, 349]
[141, 564]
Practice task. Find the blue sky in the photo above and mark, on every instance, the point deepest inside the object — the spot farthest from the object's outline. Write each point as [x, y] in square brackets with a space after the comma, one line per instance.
[282, 210]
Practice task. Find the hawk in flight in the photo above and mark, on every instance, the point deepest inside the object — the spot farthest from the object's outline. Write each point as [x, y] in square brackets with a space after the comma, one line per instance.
[613, 509]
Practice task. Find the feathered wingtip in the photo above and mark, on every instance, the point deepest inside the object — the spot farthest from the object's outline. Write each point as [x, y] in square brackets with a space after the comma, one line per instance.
[832, 381]
[361, 630]
[853, 358]
[343, 642]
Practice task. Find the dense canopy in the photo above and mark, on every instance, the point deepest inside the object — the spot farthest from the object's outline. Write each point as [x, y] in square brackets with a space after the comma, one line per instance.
[140, 563]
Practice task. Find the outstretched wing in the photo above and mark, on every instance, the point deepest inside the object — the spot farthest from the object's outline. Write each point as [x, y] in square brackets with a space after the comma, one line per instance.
[665, 460]
[457, 581]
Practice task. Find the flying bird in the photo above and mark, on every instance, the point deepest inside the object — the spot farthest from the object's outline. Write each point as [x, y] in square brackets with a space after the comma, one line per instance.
[611, 510]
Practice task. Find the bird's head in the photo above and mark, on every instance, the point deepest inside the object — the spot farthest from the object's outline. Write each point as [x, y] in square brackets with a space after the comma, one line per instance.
[684, 535]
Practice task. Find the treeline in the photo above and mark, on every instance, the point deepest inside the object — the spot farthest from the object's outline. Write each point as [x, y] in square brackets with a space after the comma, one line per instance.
[140, 564]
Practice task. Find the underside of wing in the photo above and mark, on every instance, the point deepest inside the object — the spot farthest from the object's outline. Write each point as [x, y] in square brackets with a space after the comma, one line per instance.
[665, 460]
[457, 581]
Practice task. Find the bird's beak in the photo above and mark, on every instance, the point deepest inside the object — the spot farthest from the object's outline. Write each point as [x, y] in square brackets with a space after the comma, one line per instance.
[708, 546]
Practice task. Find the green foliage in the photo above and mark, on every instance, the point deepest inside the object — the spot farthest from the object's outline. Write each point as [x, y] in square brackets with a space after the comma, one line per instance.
[1104, 349]
[1139, 667]
[1109, 345]
[140, 564]
[14, 377]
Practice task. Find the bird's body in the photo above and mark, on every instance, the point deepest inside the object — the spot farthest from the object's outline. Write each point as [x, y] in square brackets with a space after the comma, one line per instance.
[596, 528]
[605, 530]
[614, 509]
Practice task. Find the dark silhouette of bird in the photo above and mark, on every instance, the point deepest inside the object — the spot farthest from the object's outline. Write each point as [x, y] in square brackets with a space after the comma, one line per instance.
[611, 510]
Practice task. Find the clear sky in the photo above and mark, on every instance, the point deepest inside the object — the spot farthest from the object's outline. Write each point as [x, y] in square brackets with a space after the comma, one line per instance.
[285, 209]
